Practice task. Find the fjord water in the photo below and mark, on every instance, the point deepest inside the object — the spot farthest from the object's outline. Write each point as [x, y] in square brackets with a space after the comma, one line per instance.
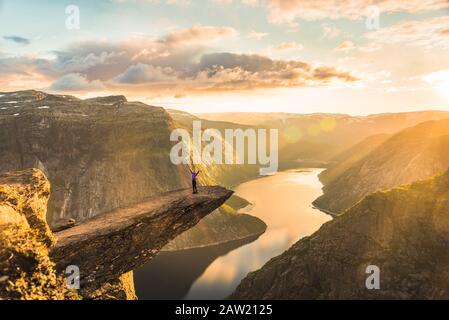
[283, 201]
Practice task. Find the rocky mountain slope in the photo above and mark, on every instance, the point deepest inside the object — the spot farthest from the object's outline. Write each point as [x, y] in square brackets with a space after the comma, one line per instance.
[321, 137]
[349, 157]
[403, 231]
[99, 154]
[412, 154]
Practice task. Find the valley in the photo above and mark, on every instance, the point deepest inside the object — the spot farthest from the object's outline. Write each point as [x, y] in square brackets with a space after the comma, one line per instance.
[283, 201]
[267, 240]
[402, 231]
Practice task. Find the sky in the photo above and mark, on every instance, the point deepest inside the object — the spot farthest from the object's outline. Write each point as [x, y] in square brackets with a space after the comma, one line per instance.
[302, 56]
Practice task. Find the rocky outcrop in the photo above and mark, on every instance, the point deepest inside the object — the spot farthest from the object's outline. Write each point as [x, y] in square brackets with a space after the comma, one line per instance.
[121, 288]
[403, 231]
[111, 244]
[26, 271]
[27, 193]
[415, 153]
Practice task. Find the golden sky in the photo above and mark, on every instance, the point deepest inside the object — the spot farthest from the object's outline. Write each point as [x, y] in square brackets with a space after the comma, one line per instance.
[349, 56]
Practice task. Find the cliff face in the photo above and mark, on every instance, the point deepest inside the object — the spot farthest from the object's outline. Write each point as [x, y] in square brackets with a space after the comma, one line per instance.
[26, 271]
[351, 156]
[99, 154]
[415, 153]
[403, 231]
[121, 288]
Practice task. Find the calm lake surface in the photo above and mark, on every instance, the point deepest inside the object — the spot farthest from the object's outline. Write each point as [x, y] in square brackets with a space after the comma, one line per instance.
[283, 201]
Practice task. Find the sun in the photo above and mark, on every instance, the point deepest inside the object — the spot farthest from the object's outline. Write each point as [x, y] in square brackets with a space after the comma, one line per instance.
[440, 81]
[443, 89]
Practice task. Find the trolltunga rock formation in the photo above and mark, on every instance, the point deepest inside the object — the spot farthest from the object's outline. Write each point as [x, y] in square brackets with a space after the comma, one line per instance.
[114, 243]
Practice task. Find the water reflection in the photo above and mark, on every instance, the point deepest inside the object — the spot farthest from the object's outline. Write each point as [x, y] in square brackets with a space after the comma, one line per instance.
[283, 201]
[170, 275]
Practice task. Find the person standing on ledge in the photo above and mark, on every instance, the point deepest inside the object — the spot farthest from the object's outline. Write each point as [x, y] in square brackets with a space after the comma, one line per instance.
[194, 175]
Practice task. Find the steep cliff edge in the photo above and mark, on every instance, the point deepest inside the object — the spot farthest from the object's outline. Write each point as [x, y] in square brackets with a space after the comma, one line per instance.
[26, 272]
[403, 231]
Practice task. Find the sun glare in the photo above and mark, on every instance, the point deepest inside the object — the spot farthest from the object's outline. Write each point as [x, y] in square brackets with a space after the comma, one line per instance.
[440, 81]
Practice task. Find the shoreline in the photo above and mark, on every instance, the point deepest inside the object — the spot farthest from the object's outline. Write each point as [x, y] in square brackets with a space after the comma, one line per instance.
[285, 169]
[253, 236]
[328, 212]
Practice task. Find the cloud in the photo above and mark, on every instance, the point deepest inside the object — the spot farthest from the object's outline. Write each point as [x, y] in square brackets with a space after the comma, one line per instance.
[177, 64]
[222, 2]
[198, 35]
[345, 46]
[181, 3]
[287, 11]
[257, 35]
[18, 40]
[330, 32]
[142, 73]
[104, 60]
[437, 77]
[287, 46]
[430, 33]
[76, 82]
[229, 71]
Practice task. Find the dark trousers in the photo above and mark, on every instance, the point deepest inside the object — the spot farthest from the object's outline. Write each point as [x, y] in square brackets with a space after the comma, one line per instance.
[195, 189]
